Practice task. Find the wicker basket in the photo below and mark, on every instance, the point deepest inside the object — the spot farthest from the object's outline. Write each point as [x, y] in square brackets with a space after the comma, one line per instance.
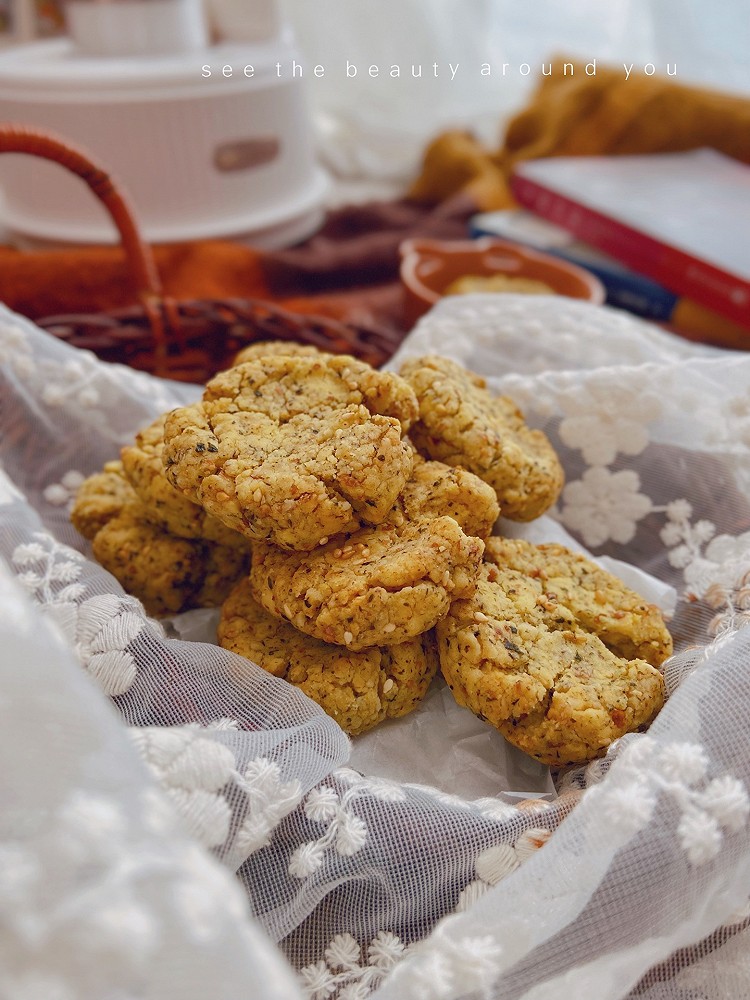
[184, 340]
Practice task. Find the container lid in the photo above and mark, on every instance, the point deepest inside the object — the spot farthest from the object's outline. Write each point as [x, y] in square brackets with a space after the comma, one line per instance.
[264, 221]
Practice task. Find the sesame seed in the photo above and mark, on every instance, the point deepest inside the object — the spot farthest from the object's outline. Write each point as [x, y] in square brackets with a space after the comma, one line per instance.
[348, 637]
[258, 496]
[390, 627]
[388, 685]
[323, 540]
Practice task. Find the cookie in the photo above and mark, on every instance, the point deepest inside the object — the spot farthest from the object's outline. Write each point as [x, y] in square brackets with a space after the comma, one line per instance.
[385, 584]
[166, 506]
[462, 423]
[527, 665]
[357, 689]
[100, 498]
[168, 574]
[436, 490]
[275, 348]
[294, 449]
[601, 604]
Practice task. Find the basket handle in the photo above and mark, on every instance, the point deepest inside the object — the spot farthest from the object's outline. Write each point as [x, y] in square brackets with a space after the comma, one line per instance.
[142, 266]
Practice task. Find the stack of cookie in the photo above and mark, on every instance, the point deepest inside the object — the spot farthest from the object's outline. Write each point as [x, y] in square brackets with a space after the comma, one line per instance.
[372, 561]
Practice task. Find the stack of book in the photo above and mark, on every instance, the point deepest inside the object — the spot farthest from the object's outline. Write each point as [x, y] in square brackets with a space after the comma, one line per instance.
[667, 234]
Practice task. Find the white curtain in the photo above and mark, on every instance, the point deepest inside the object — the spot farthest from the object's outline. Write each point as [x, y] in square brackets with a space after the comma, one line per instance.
[377, 126]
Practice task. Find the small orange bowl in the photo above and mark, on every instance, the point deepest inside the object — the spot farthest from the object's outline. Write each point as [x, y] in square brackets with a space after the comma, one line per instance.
[429, 267]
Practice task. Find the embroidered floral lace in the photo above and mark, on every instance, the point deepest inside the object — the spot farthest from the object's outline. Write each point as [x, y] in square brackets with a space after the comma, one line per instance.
[174, 822]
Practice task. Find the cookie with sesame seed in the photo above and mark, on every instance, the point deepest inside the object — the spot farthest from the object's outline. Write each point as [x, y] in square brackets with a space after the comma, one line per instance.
[166, 506]
[168, 574]
[276, 348]
[294, 449]
[535, 668]
[601, 604]
[384, 584]
[390, 582]
[357, 689]
[462, 423]
[100, 498]
[437, 490]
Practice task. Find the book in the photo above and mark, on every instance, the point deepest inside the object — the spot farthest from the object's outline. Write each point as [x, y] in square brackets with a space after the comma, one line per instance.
[682, 219]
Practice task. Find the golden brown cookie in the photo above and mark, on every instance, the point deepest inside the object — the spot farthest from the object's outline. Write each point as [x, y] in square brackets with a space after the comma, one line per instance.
[436, 490]
[462, 423]
[275, 348]
[527, 665]
[357, 689]
[294, 449]
[144, 467]
[600, 603]
[168, 574]
[384, 584]
[100, 498]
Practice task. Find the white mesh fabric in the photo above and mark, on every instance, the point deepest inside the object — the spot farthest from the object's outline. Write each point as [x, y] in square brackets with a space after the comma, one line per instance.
[371, 886]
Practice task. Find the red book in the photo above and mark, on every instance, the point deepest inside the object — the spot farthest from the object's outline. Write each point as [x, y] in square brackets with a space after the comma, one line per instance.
[680, 218]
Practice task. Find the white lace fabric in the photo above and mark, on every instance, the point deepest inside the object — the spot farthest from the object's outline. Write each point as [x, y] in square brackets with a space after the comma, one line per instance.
[176, 822]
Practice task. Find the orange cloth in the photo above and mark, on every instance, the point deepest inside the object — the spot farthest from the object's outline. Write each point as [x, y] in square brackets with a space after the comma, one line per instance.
[41, 283]
[583, 115]
[348, 270]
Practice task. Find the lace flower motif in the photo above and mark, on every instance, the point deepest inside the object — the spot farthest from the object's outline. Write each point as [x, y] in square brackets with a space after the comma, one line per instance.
[192, 770]
[344, 975]
[709, 808]
[269, 800]
[99, 629]
[497, 862]
[345, 832]
[63, 494]
[607, 420]
[453, 965]
[604, 505]
[196, 771]
[715, 567]
[73, 383]
[15, 350]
